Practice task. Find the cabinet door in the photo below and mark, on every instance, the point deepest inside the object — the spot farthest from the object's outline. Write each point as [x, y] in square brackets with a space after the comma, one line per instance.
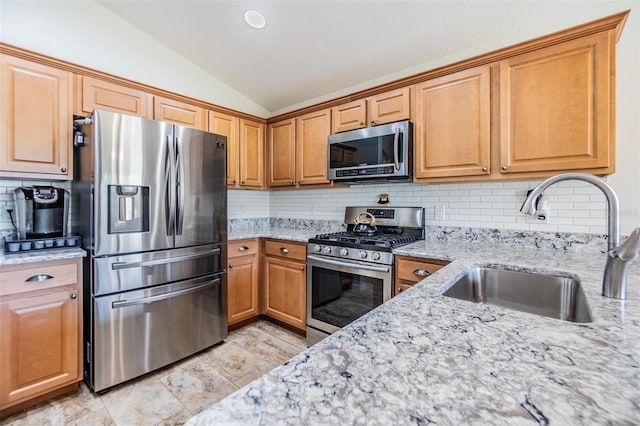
[390, 106]
[555, 108]
[36, 120]
[312, 132]
[180, 113]
[242, 288]
[282, 153]
[285, 291]
[251, 154]
[229, 126]
[453, 117]
[38, 345]
[349, 116]
[98, 94]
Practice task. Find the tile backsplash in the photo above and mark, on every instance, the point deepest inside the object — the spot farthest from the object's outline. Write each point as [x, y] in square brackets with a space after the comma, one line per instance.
[573, 206]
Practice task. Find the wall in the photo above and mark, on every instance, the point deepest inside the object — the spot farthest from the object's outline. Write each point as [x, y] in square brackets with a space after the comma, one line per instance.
[88, 34]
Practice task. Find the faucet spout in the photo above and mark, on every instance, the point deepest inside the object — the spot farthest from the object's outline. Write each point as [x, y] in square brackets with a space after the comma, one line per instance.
[613, 204]
[619, 257]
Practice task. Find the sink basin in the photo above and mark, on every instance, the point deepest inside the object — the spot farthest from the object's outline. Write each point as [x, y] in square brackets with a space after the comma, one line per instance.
[549, 295]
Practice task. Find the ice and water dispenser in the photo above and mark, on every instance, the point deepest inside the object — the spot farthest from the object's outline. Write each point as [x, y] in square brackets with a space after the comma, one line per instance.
[128, 209]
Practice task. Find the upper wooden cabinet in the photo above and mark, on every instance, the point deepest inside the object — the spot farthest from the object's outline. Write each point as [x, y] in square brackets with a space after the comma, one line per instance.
[452, 134]
[245, 149]
[180, 113]
[98, 94]
[36, 120]
[556, 107]
[312, 132]
[281, 141]
[383, 108]
[298, 150]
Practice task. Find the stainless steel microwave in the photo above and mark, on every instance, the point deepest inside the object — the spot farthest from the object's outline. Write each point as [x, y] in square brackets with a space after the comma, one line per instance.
[376, 153]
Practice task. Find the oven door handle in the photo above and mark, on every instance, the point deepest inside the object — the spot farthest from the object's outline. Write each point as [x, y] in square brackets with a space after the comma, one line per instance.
[151, 299]
[349, 264]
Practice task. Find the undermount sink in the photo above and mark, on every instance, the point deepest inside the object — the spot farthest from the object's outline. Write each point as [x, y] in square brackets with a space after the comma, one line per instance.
[544, 294]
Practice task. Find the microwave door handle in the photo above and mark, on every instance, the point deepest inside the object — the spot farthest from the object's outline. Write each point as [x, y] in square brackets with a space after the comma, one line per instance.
[396, 142]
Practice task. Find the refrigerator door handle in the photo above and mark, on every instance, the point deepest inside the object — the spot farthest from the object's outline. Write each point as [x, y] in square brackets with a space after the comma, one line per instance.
[126, 265]
[151, 299]
[179, 188]
[168, 203]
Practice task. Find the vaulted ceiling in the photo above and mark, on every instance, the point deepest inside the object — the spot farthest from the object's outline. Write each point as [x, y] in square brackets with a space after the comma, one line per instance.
[309, 49]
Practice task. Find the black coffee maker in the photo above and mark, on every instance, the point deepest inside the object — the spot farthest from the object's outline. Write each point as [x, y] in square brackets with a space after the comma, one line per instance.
[41, 212]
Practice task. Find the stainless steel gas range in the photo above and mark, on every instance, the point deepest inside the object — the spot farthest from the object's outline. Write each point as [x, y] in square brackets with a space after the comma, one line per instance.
[350, 273]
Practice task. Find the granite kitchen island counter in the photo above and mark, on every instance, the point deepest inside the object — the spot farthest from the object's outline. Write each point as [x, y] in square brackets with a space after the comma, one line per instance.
[423, 357]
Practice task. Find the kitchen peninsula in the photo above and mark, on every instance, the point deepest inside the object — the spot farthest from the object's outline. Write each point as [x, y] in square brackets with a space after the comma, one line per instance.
[423, 357]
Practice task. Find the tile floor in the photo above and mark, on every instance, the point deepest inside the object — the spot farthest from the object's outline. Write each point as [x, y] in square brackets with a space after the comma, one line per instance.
[174, 394]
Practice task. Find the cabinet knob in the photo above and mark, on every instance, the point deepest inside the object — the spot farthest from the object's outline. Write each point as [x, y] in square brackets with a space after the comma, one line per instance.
[241, 182]
[299, 182]
[362, 123]
[373, 121]
[230, 266]
[284, 250]
[243, 248]
[234, 181]
[421, 272]
[74, 296]
[302, 268]
[399, 290]
[63, 170]
[291, 182]
[503, 167]
[484, 169]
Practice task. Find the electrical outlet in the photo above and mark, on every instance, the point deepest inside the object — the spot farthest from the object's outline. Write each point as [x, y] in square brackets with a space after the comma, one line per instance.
[438, 212]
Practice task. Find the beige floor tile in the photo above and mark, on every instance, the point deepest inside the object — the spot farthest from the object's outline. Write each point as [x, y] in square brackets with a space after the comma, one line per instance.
[197, 385]
[288, 336]
[177, 419]
[236, 364]
[143, 402]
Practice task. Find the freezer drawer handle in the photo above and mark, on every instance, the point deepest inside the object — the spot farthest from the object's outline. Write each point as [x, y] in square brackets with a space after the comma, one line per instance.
[151, 299]
[125, 265]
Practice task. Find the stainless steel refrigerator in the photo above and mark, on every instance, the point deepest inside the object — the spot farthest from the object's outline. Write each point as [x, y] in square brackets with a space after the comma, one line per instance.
[150, 201]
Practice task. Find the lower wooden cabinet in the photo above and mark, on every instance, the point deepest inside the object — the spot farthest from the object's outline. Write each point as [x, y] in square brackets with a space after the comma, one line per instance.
[41, 331]
[243, 280]
[285, 282]
[410, 270]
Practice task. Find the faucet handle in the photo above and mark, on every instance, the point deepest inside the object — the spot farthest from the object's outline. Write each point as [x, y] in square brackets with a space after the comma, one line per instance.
[628, 250]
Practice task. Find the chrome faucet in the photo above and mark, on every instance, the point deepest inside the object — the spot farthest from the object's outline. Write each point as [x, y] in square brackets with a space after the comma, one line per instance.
[619, 257]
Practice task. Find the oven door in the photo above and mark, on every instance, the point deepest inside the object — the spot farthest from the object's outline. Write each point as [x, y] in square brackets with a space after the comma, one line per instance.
[340, 291]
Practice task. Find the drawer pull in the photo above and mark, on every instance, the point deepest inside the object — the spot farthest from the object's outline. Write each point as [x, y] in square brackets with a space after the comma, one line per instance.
[39, 278]
[421, 272]
[243, 248]
[284, 250]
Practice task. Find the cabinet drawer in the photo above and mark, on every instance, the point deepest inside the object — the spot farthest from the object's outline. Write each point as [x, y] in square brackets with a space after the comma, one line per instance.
[286, 249]
[414, 271]
[43, 277]
[242, 248]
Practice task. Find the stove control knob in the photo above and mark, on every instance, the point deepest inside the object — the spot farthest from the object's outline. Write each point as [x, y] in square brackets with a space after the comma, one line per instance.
[375, 256]
[327, 249]
[363, 254]
[317, 249]
[344, 252]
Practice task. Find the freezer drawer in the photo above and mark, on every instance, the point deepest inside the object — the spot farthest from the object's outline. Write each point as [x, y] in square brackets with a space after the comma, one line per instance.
[135, 271]
[139, 331]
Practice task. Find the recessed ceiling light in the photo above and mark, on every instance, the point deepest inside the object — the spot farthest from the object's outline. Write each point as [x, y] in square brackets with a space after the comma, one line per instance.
[255, 19]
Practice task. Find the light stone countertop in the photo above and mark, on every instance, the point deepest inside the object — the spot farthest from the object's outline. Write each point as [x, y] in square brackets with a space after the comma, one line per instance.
[423, 357]
[44, 255]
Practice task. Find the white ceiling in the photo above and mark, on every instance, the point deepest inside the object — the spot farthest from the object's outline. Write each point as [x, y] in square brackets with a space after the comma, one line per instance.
[313, 48]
